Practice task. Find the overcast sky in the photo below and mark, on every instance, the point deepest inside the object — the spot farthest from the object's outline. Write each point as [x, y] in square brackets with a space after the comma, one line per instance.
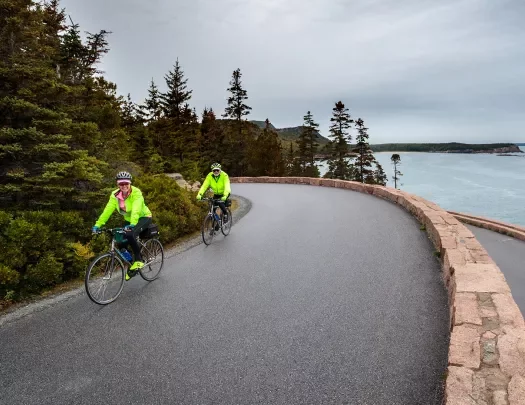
[414, 70]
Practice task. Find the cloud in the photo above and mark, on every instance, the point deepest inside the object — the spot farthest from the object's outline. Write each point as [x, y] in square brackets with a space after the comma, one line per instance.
[444, 69]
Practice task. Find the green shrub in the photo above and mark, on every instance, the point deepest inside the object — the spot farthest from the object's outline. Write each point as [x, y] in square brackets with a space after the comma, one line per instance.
[47, 272]
[39, 249]
[174, 209]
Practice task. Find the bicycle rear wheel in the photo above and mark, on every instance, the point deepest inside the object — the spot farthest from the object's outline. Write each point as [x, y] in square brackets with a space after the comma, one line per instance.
[152, 253]
[105, 279]
[208, 229]
[226, 227]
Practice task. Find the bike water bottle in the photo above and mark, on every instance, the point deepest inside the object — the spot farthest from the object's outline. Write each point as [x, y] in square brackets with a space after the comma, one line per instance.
[126, 255]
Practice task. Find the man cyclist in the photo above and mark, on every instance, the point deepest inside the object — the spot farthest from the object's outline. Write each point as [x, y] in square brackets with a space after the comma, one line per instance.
[129, 202]
[219, 182]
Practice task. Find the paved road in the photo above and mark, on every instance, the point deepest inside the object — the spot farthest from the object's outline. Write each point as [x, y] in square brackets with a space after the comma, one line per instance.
[509, 255]
[318, 296]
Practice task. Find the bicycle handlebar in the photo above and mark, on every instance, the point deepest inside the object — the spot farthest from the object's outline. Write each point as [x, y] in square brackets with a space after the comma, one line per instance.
[110, 230]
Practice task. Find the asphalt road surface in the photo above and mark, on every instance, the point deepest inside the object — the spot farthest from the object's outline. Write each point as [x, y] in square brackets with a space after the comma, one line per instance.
[318, 296]
[509, 255]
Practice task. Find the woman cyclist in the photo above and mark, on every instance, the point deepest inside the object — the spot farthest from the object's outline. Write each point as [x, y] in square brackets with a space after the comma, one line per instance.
[128, 201]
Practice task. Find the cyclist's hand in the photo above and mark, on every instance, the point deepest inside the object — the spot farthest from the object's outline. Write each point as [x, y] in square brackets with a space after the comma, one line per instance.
[129, 228]
[95, 229]
[199, 197]
[223, 198]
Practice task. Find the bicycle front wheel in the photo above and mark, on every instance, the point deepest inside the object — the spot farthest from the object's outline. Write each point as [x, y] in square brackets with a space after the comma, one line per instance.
[226, 227]
[153, 256]
[105, 279]
[208, 229]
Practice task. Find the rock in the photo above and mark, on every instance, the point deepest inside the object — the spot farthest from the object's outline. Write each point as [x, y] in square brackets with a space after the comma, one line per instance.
[517, 390]
[175, 176]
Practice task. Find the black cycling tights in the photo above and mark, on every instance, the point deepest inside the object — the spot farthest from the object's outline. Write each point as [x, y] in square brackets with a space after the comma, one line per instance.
[221, 204]
[131, 236]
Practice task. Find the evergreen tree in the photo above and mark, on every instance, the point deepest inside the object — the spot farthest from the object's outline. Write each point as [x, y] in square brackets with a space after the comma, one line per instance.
[39, 168]
[380, 176]
[363, 164]
[237, 143]
[210, 141]
[396, 161]
[308, 146]
[266, 157]
[237, 109]
[338, 165]
[292, 167]
[174, 100]
[152, 108]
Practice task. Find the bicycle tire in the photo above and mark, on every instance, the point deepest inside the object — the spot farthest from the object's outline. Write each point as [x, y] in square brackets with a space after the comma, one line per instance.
[227, 228]
[145, 275]
[120, 273]
[207, 236]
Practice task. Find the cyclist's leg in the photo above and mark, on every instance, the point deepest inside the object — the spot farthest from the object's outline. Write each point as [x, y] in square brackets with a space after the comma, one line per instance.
[222, 206]
[132, 236]
[224, 209]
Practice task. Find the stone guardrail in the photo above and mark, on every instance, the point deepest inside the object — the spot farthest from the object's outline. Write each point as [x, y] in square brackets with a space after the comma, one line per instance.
[486, 358]
[515, 231]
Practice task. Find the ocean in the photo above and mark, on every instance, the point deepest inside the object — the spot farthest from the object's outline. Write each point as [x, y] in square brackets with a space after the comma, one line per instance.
[480, 184]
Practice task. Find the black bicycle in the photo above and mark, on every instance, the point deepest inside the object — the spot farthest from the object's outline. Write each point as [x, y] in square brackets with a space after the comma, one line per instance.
[213, 222]
[106, 274]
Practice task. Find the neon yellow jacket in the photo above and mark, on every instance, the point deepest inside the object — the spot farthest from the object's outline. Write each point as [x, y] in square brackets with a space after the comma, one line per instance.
[220, 185]
[135, 207]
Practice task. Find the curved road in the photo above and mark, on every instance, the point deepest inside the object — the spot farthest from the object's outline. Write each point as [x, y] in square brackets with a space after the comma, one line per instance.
[509, 255]
[318, 296]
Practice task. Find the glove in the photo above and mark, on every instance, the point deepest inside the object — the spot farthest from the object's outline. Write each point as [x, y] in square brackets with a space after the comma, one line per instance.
[129, 228]
[95, 229]
[223, 198]
[199, 197]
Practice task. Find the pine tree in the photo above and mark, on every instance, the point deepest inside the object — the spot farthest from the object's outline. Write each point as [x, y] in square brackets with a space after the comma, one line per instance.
[364, 159]
[39, 167]
[237, 109]
[380, 176]
[266, 157]
[308, 146]
[174, 100]
[338, 165]
[237, 143]
[396, 161]
[152, 108]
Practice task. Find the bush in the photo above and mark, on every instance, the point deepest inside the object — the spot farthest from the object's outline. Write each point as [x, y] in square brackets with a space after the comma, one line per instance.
[174, 209]
[39, 249]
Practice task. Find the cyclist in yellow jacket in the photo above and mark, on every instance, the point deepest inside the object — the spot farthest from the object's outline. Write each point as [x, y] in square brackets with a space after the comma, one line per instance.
[128, 201]
[219, 182]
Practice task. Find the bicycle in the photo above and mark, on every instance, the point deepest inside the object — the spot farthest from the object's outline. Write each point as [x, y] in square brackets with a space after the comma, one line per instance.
[213, 222]
[111, 267]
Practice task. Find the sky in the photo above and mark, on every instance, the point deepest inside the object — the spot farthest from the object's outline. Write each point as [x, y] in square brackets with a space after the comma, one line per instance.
[413, 70]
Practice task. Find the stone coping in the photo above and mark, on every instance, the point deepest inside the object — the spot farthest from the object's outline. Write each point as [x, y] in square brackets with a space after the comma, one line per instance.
[486, 358]
[505, 228]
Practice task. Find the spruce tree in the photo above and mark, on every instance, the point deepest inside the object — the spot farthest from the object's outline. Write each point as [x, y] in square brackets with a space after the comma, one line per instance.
[39, 168]
[338, 165]
[237, 108]
[308, 146]
[380, 176]
[363, 162]
[396, 161]
[266, 157]
[237, 143]
[152, 108]
[174, 100]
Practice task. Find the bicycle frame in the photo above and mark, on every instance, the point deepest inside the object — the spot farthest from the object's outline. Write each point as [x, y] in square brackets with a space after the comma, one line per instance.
[113, 249]
[212, 212]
